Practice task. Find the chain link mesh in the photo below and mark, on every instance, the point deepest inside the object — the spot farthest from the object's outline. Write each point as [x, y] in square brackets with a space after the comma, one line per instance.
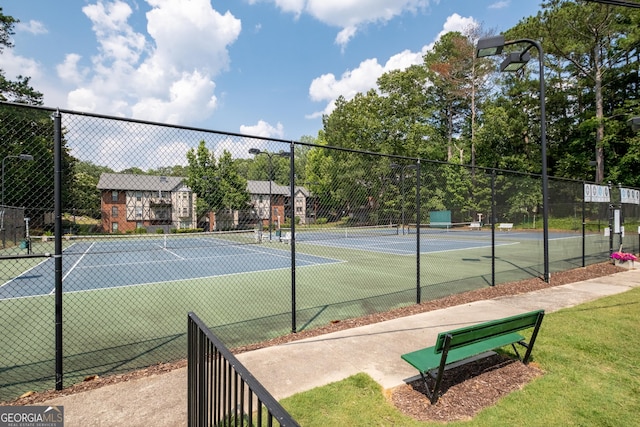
[157, 221]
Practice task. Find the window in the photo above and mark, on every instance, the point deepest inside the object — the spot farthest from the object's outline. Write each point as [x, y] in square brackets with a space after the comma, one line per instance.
[114, 196]
[114, 211]
[138, 212]
[138, 195]
[298, 209]
[139, 224]
[114, 227]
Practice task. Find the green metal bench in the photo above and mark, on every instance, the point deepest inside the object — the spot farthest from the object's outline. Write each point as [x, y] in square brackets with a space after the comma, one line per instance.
[464, 343]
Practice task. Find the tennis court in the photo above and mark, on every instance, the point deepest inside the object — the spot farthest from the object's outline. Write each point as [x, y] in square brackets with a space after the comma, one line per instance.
[126, 296]
[101, 262]
[393, 239]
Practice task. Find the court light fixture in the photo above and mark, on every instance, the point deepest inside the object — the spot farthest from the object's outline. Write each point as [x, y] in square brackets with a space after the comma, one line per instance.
[490, 46]
[515, 61]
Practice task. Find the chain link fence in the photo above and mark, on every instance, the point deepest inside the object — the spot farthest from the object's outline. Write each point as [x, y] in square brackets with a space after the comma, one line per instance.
[115, 229]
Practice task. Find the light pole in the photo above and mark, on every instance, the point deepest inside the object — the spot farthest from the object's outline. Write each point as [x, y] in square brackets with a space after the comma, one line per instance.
[23, 156]
[515, 61]
[402, 168]
[255, 152]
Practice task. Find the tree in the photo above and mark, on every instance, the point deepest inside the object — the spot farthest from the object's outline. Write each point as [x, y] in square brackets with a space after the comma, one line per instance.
[217, 184]
[591, 40]
[84, 195]
[449, 65]
[17, 90]
[177, 170]
[405, 111]
[25, 130]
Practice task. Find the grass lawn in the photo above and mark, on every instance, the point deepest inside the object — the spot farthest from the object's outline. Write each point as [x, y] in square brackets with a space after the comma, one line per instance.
[592, 378]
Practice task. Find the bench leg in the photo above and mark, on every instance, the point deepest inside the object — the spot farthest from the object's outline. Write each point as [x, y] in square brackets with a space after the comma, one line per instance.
[432, 391]
[435, 393]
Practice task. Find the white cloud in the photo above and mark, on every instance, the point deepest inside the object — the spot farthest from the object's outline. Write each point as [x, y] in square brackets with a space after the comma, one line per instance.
[190, 99]
[345, 36]
[292, 6]
[363, 78]
[169, 155]
[69, 70]
[15, 65]
[459, 23]
[327, 88]
[263, 129]
[166, 75]
[499, 4]
[82, 99]
[350, 15]
[33, 27]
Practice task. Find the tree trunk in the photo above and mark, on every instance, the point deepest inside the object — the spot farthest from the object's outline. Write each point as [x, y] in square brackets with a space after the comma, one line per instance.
[599, 118]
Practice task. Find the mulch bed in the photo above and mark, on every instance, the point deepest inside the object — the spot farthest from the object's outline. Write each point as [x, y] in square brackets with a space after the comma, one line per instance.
[465, 390]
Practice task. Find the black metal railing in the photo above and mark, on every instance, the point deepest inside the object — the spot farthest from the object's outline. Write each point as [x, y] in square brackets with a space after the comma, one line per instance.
[221, 391]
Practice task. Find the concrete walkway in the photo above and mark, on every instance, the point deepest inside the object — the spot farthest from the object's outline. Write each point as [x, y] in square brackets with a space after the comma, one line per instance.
[294, 367]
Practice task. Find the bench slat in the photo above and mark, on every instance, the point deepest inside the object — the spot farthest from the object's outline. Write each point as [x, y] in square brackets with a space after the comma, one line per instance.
[427, 359]
[470, 334]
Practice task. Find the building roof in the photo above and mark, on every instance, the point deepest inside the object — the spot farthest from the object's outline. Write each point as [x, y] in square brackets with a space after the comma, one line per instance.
[134, 182]
[126, 181]
[262, 187]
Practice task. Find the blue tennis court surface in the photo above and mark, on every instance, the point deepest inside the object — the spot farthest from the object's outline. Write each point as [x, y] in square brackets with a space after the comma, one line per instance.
[133, 261]
[88, 268]
[406, 245]
[430, 241]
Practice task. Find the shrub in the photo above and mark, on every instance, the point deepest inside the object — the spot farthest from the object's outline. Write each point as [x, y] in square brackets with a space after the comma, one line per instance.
[186, 230]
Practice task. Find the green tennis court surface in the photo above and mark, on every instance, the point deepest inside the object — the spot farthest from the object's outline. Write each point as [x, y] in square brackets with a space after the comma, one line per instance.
[113, 323]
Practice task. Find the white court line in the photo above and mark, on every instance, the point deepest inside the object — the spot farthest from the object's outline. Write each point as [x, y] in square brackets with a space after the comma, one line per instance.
[74, 266]
[274, 252]
[186, 280]
[173, 253]
[25, 272]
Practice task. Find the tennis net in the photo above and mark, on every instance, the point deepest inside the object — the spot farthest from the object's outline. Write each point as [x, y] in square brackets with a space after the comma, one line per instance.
[442, 227]
[109, 243]
[325, 233]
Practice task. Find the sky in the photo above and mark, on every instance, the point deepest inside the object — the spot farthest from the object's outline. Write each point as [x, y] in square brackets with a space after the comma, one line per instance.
[267, 68]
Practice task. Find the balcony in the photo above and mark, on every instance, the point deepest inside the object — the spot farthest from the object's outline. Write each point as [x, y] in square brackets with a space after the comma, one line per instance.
[160, 201]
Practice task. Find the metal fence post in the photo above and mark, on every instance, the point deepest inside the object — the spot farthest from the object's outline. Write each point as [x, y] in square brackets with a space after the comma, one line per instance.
[57, 190]
[418, 219]
[493, 227]
[292, 184]
[584, 225]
